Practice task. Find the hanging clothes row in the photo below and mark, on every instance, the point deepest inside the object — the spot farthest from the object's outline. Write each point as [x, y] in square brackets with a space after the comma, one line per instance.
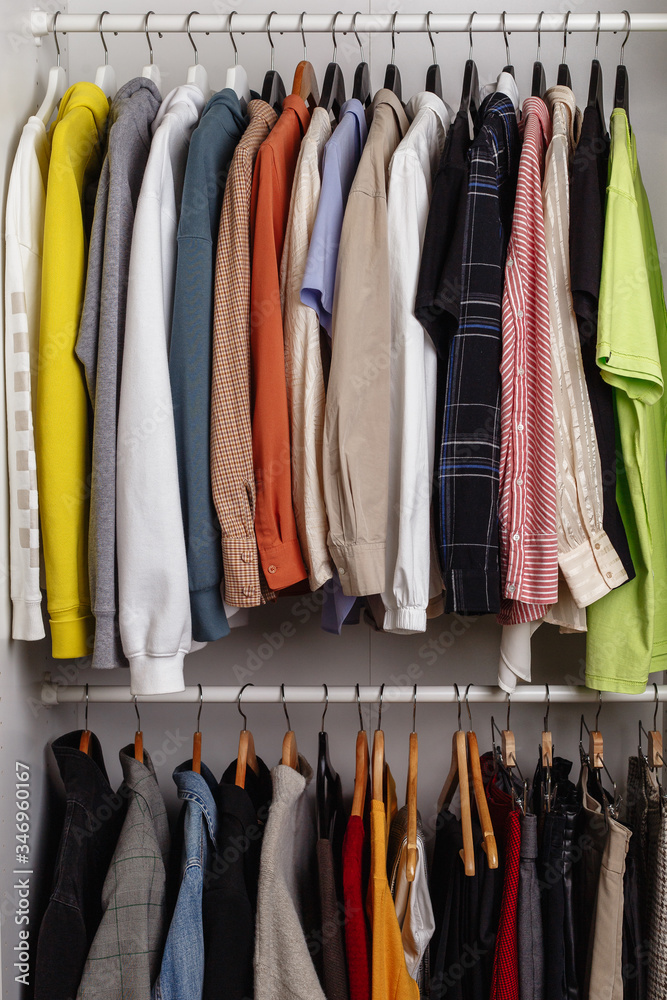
[300, 342]
[537, 890]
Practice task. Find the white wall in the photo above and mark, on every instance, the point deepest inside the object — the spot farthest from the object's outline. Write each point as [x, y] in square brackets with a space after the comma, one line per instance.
[453, 650]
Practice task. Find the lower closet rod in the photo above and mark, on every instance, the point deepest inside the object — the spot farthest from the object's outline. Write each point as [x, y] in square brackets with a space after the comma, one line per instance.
[60, 694]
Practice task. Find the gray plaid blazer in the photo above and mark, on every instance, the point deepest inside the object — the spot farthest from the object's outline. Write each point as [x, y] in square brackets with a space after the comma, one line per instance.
[124, 958]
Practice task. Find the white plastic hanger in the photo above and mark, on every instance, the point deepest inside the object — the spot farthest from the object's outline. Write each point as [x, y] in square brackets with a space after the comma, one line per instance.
[197, 74]
[105, 77]
[57, 82]
[151, 72]
[237, 78]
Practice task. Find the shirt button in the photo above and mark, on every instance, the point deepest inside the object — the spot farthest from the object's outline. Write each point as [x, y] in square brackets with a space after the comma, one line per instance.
[519, 481]
[248, 591]
[516, 536]
[519, 427]
[609, 575]
[341, 571]
[597, 545]
[511, 588]
[245, 556]
[520, 314]
[510, 262]
[271, 568]
[521, 370]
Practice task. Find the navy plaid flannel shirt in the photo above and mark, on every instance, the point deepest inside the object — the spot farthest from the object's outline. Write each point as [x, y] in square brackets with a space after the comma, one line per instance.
[470, 453]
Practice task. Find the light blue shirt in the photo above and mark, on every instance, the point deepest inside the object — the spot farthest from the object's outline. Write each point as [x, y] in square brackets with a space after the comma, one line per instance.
[339, 164]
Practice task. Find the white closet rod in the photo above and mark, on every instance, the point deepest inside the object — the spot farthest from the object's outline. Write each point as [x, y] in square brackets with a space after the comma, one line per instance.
[41, 22]
[525, 694]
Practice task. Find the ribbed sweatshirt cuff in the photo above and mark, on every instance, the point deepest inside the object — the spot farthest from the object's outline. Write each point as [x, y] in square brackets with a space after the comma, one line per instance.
[152, 674]
[72, 633]
[27, 621]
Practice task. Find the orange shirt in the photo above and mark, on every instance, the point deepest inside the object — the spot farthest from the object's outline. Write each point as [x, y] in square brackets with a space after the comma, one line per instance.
[275, 527]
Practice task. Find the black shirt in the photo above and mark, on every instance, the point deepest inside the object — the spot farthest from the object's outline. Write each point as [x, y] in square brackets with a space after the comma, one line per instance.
[587, 202]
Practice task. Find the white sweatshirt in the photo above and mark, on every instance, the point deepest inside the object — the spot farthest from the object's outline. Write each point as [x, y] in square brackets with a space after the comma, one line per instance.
[24, 235]
[154, 597]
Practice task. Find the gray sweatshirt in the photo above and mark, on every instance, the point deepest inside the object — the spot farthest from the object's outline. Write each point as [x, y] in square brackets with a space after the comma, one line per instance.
[100, 341]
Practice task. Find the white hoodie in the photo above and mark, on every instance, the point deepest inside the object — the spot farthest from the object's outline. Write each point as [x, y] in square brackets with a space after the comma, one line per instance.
[24, 235]
[154, 597]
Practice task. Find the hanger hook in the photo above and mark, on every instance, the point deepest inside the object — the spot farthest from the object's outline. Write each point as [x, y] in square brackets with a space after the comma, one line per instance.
[597, 34]
[87, 702]
[148, 37]
[458, 702]
[55, 36]
[546, 717]
[303, 35]
[393, 37]
[361, 718]
[356, 34]
[472, 16]
[430, 36]
[326, 706]
[238, 704]
[201, 704]
[509, 709]
[597, 714]
[333, 35]
[268, 33]
[539, 36]
[282, 695]
[414, 708]
[192, 41]
[656, 702]
[380, 706]
[507, 44]
[136, 709]
[468, 707]
[627, 34]
[101, 33]
[231, 37]
[567, 21]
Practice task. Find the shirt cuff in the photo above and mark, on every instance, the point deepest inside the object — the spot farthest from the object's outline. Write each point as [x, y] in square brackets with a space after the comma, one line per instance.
[405, 620]
[151, 674]
[282, 564]
[72, 633]
[27, 621]
[361, 567]
[592, 569]
[241, 562]
[473, 591]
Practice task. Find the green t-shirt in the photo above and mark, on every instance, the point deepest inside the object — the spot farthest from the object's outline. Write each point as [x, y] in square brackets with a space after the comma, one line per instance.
[627, 628]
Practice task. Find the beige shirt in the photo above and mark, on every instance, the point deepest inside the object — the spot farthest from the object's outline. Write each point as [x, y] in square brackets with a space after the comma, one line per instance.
[587, 559]
[303, 359]
[356, 475]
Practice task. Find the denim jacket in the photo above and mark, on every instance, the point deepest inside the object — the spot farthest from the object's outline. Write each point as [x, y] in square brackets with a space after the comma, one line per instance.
[182, 971]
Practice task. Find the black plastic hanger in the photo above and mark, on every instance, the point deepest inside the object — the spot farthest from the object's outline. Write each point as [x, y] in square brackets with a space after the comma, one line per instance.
[539, 85]
[508, 68]
[392, 76]
[433, 78]
[361, 89]
[327, 782]
[333, 88]
[470, 89]
[305, 79]
[595, 87]
[622, 88]
[564, 79]
[273, 89]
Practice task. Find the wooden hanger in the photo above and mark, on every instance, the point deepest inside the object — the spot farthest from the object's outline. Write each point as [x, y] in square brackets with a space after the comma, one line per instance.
[273, 88]
[246, 756]
[411, 797]
[508, 759]
[507, 68]
[56, 84]
[138, 736]
[305, 78]
[594, 760]
[655, 758]
[622, 87]
[290, 755]
[377, 761]
[333, 88]
[196, 739]
[84, 741]
[105, 77]
[458, 778]
[392, 76]
[360, 767]
[433, 77]
[326, 784]
[564, 78]
[151, 71]
[539, 84]
[361, 88]
[489, 845]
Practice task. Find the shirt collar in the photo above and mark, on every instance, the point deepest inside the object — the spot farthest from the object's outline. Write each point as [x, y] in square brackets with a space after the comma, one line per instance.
[536, 106]
[199, 788]
[260, 109]
[293, 102]
[386, 96]
[426, 99]
[356, 108]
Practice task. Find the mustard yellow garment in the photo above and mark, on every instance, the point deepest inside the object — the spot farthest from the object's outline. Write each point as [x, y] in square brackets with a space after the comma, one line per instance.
[61, 418]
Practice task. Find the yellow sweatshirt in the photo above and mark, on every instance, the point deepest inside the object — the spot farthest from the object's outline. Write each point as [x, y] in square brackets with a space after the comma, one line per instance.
[61, 413]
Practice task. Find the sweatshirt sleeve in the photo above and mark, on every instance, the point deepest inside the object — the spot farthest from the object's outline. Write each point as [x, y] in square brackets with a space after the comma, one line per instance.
[154, 598]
